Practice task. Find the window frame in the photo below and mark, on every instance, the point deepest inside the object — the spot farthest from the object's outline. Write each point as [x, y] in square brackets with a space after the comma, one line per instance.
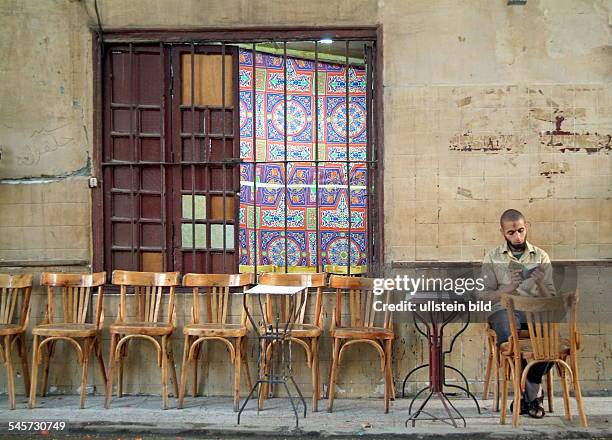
[243, 35]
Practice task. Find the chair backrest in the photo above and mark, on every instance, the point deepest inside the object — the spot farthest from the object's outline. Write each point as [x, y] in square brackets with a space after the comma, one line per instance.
[360, 303]
[337, 269]
[217, 300]
[148, 289]
[308, 280]
[543, 316]
[11, 287]
[76, 290]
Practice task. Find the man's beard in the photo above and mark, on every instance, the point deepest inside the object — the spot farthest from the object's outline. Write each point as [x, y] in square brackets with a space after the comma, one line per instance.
[518, 248]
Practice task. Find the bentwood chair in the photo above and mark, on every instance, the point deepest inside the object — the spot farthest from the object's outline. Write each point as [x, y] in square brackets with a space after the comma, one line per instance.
[359, 324]
[494, 366]
[148, 299]
[544, 345]
[74, 326]
[214, 326]
[305, 332]
[15, 293]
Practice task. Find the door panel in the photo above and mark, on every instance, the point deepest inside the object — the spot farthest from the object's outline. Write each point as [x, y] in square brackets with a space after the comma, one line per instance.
[170, 168]
[206, 180]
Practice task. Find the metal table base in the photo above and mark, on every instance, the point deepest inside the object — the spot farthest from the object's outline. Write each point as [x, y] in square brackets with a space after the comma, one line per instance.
[276, 338]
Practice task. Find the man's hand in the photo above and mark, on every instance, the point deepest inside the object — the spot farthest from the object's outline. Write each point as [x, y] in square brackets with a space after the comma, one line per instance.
[538, 276]
[505, 289]
[515, 281]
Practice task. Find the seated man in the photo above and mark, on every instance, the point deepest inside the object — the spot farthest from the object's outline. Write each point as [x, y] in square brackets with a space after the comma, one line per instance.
[503, 274]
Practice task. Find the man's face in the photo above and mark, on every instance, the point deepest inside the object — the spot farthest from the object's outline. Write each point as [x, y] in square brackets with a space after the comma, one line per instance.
[515, 233]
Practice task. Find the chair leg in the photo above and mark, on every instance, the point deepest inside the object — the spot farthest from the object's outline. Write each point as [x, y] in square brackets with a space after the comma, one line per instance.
[578, 392]
[10, 380]
[316, 392]
[496, 390]
[516, 413]
[237, 362]
[111, 370]
[504, 389]
[391, 381]
[173, 367]
[550, 390]
[50, 349]
[164, 371]
[98, 352]
[122, 355]
[34, 375]
[333, 374]
[196, 358]
[23, 354]
[184, 369]
[85, 366]
[245, 361]
[487, 380]
[388, 374]
[565, 389]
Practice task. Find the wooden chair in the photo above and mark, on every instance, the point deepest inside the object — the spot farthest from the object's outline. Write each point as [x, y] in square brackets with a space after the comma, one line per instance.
[360, 328]
[305, 334]
[72, 327]
[494, 366]
[13, 326]
[148, 296]
[214, 327]
[544, 345]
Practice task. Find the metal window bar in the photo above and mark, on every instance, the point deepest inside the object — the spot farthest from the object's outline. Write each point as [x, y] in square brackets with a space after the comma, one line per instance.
[223, 152]
[108, 157]
[162, 168]
[193, 158]
[132, 152]
[316, 176]
[255, 245]
[285, 127]
[369, 165]
[347, 158]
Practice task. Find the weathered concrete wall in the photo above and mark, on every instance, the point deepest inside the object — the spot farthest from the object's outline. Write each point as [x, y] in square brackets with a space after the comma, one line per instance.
[472, 97]
[470, 93]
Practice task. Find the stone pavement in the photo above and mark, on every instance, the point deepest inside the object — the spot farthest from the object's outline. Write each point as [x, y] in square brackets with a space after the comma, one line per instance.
[142, 417]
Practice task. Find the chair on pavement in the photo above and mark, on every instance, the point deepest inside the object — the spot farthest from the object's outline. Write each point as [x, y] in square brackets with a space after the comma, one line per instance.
[15, 293]
[148, 297]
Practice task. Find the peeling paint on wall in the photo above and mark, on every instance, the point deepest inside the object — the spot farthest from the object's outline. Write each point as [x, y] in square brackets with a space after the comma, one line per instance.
[485, 144]
[548, 169]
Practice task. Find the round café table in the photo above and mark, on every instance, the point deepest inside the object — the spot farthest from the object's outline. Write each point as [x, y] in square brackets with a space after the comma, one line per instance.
[431, 323]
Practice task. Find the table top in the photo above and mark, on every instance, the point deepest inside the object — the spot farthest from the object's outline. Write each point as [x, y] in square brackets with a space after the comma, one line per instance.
[266, 289]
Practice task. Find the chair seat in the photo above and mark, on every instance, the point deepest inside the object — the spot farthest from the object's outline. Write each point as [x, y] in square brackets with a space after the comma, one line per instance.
[141, 328]
[300, 330]
[211, 329]
[527, 352]
[362, 333]
[9, 329]
[71, 330]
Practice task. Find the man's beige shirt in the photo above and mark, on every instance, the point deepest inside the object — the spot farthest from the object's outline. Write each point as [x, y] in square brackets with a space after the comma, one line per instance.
[496, 271]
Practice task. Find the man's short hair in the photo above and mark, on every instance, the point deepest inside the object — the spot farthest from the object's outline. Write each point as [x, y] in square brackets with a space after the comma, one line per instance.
[511, 215]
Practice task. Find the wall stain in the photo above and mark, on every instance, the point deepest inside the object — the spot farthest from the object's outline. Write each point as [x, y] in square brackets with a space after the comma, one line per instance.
[486, 144]
[548, 169]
